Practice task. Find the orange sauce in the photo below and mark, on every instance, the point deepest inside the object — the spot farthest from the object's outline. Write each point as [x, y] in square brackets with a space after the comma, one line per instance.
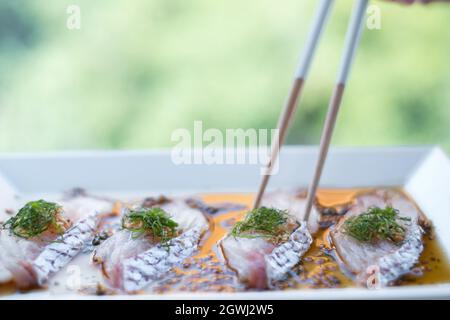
[7, 288]
[218, 230]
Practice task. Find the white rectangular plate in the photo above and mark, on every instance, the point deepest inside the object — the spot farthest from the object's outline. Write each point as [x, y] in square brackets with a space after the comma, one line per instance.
[424, 172]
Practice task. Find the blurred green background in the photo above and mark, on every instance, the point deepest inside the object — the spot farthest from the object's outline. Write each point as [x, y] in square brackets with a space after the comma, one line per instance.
[139, 69]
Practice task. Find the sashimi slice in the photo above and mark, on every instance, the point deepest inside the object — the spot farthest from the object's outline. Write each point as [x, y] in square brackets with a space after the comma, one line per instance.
[247, 257]
[295, 204]
[20, 256]
[260, 259]
[5, 275]
[153, 264]
[58, 254]
[124, 246]
[391, 260]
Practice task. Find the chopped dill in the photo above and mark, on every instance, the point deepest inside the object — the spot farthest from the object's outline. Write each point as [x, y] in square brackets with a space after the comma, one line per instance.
[377, 224]
[262, 222]
[154, 221]
[35, 218]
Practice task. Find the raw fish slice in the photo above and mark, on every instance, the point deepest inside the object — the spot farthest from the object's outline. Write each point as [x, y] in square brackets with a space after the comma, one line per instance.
[186, 217]
[124, 244]
[81, 207]
[295, 204]
[5, 275]
[284, 257]
[14, 256]
[153, 264]
[260, 259]
[58, 254]
[259, 263]
[392, 260]
[18, 254]
[246, 256]
[8, 202]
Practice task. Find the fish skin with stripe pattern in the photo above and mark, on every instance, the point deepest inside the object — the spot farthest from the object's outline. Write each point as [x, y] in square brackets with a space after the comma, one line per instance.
[153, 264]
[30, 262]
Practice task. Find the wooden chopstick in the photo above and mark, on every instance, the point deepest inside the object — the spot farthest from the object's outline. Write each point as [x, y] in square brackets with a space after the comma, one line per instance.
[351, 43]
[290, 107]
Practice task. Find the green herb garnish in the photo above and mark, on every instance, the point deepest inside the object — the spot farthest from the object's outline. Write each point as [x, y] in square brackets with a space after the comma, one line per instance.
[262, 222]
[154, 221]
[377, 224]
[35, 218]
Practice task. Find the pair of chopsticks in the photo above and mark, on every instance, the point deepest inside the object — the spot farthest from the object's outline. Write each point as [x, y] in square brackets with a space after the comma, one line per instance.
[351, 43]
